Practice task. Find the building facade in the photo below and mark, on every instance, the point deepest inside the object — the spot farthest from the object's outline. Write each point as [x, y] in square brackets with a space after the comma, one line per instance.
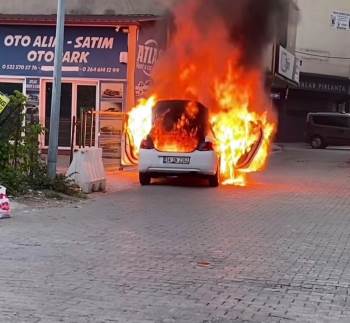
[107, 62]
[323, 45]
[110, 49]
[84, 7]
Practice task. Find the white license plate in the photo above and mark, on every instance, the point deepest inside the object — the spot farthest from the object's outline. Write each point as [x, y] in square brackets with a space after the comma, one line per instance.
[176, 160]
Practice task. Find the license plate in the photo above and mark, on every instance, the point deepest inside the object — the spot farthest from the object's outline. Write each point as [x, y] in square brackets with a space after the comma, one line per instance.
[176, 160]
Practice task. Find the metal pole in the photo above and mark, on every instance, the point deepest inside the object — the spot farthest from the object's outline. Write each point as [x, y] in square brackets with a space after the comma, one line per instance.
[81, 128]
[56, 91]
[92, 127]
[72, 140]
[85, 127]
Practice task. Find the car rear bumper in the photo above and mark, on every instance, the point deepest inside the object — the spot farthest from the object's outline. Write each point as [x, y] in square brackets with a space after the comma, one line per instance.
[201, 163]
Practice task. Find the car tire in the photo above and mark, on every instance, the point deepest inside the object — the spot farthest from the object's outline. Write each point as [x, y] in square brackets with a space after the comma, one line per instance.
[214, 180]
[317, 142]
[145, 179]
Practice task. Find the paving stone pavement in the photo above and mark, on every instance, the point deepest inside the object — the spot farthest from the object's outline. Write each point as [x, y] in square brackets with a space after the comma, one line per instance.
[276, 251]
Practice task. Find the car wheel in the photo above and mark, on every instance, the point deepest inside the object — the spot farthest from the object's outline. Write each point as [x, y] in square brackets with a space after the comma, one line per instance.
[317, 143]
[214, 180]
[144, 179]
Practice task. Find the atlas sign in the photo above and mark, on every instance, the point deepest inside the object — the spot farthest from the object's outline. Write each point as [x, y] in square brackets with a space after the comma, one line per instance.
[148, 54]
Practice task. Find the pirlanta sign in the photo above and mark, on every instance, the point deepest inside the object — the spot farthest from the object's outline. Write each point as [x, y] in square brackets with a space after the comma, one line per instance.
[88, 52]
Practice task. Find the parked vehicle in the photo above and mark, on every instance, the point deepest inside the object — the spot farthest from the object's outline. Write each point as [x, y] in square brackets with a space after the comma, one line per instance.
[328, 129]
[168, 151]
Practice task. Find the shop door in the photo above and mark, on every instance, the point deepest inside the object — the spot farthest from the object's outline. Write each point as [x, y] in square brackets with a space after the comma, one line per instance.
[86, 101]
[64, 135]
[74, 98]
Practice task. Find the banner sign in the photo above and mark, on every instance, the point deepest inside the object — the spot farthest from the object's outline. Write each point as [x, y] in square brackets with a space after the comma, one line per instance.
[33, 90]
[4, 101]
[88, 52]
[32, 84]
[340, 20]
[151, 42]
[319, 83]
[288, 65]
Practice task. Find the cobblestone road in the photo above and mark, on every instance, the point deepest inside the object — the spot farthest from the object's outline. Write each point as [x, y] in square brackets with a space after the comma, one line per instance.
[277, 251]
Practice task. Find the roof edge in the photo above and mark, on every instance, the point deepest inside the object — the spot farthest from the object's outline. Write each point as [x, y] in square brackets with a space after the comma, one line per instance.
[79, 20]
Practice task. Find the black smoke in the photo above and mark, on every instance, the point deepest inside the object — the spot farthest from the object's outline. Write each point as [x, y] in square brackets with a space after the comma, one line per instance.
[251, 24]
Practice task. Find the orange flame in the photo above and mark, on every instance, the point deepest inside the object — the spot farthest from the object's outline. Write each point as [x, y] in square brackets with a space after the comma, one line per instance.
[181, 137]
[139, 123]
[206, 67]
[243, 138]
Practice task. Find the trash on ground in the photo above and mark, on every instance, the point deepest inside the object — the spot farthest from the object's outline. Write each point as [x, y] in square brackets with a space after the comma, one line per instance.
[5, 210]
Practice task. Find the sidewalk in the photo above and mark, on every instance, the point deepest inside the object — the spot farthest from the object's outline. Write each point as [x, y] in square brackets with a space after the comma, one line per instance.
[111, 165]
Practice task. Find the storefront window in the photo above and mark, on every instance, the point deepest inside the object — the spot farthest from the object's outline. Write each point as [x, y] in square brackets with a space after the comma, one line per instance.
[9, 88]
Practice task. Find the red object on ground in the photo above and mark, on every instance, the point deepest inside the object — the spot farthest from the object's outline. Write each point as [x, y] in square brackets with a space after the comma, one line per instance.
[5, 209]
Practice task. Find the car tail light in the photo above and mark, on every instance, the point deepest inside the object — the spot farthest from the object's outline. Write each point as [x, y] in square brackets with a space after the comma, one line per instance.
[147, 143]
[206, 146]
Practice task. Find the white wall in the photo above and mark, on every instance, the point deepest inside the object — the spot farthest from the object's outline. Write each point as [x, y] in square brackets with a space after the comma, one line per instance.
[316, 36]
[82, 7]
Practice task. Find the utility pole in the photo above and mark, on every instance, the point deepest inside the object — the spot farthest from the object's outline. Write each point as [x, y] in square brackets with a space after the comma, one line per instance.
[56, 92]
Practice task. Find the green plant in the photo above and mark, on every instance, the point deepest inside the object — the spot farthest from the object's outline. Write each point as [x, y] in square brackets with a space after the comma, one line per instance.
[21, 167]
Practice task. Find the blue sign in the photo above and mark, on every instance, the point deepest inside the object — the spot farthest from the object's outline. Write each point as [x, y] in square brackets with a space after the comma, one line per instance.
[88, 52]
[151, 43]
[32, 84]
[32, 91]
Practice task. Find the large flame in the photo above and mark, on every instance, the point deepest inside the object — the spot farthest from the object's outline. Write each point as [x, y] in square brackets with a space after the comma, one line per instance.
[242, 137]
[202, 65]
[179, 134]
[139, 124]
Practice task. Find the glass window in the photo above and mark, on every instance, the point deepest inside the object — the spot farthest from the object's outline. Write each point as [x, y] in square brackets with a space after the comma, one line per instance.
[321, 120]
[86, 101]
[179, 125]
[332, 121]
[342, 122]
[9, 88]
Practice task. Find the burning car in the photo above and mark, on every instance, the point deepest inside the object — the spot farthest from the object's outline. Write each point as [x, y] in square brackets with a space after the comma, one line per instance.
[179, 143]
[216, 57]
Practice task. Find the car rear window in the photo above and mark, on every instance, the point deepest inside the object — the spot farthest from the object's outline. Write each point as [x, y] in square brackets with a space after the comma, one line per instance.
[179, 126]
[343, 122]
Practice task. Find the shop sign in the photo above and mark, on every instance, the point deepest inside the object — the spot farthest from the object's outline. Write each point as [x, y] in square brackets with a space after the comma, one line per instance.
[88, 52]
[319, 84]
[340, 20]
[151, 43]
[33, 90]
[32, 84]
[288, 65]
[4, 101]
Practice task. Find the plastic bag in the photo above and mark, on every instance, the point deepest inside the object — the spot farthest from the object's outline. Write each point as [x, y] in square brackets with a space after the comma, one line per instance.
[5, 209]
